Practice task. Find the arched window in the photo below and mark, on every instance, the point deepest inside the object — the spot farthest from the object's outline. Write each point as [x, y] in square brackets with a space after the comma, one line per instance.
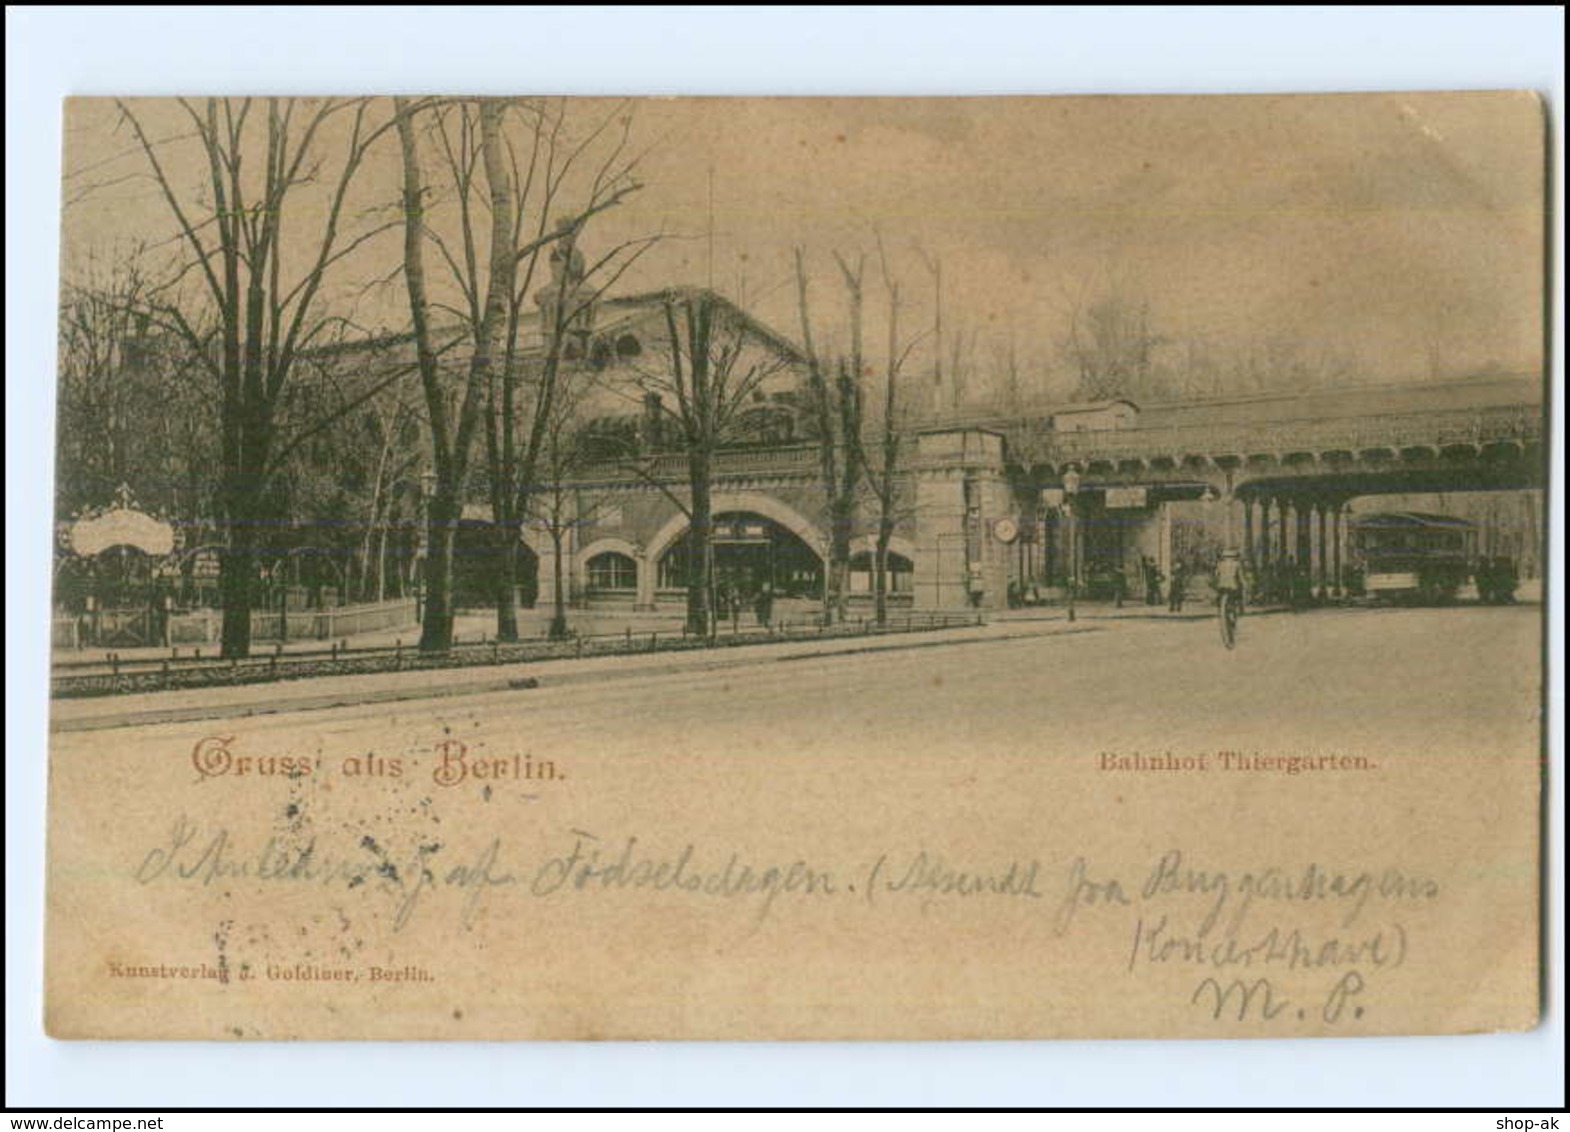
[612, 571]
[768, 424]
[628, 346]
[901, 573]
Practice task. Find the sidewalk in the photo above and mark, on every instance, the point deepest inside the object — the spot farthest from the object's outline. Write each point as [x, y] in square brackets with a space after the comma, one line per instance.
[1099, 611]
[476, 627]
[340, 691]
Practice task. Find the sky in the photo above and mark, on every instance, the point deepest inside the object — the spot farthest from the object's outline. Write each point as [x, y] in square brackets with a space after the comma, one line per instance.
[1401, 231]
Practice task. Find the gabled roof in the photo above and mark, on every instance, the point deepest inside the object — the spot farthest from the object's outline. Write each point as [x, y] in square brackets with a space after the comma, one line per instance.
[608, 309]
[1087, 407]
[611, 313]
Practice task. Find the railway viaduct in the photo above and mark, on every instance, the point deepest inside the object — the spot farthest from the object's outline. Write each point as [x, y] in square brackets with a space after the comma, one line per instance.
[994, 503]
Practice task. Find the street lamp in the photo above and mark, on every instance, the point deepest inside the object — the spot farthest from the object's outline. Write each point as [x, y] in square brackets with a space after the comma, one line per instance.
[1070, 504]
[422, 553]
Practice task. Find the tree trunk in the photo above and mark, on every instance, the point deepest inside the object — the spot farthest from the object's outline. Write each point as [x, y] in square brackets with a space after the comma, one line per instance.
[700, 550]
[236, 579]
[381, 563]
[880, 570]
[558, 586]
[507, 595]
[840, 515]
[375, 519]
[441, 533]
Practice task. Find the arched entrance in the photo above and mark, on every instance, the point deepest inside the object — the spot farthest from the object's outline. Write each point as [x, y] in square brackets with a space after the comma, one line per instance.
[750, 550]
[477, 567]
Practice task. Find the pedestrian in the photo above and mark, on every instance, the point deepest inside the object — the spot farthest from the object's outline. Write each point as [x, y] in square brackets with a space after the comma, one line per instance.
[1152, 581]
[763, 605]
[1509, 580]
[1119, 586]
[1175, 590]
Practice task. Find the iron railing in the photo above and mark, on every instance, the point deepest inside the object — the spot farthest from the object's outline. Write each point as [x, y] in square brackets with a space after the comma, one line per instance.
[118, 675]
[1438, 429]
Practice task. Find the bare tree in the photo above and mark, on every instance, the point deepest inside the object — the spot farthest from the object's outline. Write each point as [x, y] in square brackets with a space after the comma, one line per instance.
[883, 475]
[837, 414]
[475, 145]
[1281, 362]
[513, 453]
[452, 433]
[392, 422]
[240, 239]
[558, 505]
[132, 406]
[1111, 344]
[934, 265]
[716, 362]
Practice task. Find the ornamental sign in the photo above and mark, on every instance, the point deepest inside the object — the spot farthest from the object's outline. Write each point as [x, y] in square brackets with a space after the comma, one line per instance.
[121, 525]
[1122, 497]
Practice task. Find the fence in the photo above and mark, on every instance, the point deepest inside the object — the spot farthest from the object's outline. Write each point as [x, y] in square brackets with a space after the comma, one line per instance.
[118, 676]
[205, 626]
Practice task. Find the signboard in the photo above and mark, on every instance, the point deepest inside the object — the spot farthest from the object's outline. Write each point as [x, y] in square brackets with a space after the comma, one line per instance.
[1052, 497]
[1120, 497]
[122, 527]
[741, 532]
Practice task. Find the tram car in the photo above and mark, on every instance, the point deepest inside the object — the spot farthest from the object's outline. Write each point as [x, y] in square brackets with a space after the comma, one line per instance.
[1413, 557]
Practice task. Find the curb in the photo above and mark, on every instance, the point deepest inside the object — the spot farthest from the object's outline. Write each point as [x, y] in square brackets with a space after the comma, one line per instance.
[737, 658]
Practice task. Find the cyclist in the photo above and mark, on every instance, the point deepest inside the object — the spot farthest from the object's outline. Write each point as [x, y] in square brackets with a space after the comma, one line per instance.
[1229, 576]
[1229, 595]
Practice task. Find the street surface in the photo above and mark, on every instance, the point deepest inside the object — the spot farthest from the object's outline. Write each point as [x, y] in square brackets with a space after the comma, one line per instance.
[830, 797]
[1388, 680]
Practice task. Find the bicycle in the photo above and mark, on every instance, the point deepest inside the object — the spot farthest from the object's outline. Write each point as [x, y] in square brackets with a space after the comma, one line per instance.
[1228, 610]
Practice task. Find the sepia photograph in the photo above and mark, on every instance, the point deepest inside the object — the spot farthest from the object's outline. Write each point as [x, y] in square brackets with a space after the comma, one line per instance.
[534, 567]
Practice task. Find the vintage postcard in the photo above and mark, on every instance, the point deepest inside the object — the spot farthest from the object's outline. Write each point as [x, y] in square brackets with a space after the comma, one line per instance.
[902, 568]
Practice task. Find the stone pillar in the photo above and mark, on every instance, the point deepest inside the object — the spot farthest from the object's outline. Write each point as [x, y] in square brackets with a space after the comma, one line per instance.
[961, 492]
[648, 571]
[1164, 546]
[1322, 563]
[1077, 522]
[1338, 544]
[1316, 549]
[1051, 540]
